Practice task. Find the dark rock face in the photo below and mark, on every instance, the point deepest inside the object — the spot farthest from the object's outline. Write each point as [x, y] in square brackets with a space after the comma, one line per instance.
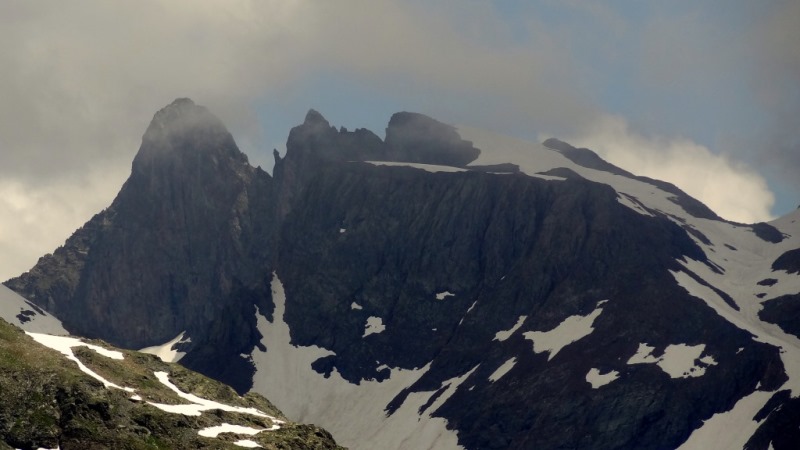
[417, 138]
[779, 431]
[507, 247]
[783, 311]
[186, 238]
[191, 241]
[789, 261]
[767, 232]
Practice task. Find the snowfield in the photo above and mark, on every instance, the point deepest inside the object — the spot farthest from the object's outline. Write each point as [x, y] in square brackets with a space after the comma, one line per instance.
[354, 413]
[20, 312]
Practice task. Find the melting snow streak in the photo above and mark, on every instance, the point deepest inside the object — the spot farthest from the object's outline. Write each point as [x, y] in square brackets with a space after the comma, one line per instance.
[503, 369]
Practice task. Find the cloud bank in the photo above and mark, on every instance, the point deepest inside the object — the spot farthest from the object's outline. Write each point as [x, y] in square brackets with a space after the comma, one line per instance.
[731, 189]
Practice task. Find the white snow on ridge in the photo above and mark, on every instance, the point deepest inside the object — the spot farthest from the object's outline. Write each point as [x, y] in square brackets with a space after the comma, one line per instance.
[534, 158]
[598, 380]
[425, 167]
[354, 413]
[374, 325]
[503, 335]
[12, 304]
[572, 329]
[548, 177]
[356, 306]
[165, 351]
[678, 361]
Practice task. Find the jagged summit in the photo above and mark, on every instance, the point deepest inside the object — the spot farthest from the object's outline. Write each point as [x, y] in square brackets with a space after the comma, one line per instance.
[410, 138]
[313, 117]
[184, 130]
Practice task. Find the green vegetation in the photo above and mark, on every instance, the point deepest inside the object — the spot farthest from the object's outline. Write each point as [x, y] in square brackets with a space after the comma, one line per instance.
[46, 401]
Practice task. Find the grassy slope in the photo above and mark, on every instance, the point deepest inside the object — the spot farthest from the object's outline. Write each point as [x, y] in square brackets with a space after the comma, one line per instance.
[46, 401]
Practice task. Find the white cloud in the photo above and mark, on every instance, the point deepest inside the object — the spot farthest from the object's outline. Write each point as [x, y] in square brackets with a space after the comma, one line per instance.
[731, 189]
[36, 219]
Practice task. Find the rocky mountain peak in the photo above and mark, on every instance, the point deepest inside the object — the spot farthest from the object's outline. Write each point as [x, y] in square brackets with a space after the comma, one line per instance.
[184, 131]
[313, 117]
[417, 138]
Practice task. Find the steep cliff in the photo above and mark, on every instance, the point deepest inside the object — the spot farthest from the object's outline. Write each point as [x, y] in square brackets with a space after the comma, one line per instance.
[186, 239]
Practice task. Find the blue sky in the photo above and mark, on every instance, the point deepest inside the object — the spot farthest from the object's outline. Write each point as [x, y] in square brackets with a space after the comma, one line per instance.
[690, 70]
[702, 94]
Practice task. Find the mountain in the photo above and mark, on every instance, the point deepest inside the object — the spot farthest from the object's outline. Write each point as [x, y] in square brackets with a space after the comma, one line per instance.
[124, 399]
[443, 287]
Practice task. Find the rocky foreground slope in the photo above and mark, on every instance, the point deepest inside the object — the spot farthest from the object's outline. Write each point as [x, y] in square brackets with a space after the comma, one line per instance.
[443, 288]
[127, 400]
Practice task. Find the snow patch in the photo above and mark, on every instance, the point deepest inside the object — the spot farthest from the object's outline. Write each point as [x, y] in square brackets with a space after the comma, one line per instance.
[425, 167]
[503, 369]
[342, 230]
[247, 443]
[678, 361]
[64, 345]
[570, 330]
[548, 177]
[36, 320]
[199, 404]
[597, 379]
[212, 432]
[444, 295]
[503, 335]
[166, 351]
[356, 306]
[354, 413]
[374, 325]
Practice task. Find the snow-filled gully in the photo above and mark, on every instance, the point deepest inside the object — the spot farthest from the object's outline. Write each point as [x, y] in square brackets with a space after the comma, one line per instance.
[745, 261]
[195, 407]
